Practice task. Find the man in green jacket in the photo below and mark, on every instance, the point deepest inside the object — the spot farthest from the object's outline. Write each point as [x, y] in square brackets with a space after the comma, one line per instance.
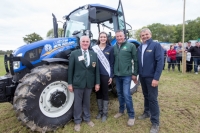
[83, 75]
[125, 53]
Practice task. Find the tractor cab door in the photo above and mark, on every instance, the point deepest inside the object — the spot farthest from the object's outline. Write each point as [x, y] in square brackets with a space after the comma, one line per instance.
[121, 18]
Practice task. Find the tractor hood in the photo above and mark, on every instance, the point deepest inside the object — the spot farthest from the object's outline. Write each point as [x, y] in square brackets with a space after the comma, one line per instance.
[37, 51]
[46, 46]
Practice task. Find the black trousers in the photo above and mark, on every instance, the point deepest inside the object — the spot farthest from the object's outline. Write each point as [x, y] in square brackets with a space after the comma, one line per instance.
[150, 93]
[179, 61]
[189, 65]
[103, 92]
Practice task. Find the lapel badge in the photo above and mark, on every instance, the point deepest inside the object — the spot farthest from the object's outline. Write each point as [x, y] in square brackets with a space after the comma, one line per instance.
[149, 50]
[93, 64]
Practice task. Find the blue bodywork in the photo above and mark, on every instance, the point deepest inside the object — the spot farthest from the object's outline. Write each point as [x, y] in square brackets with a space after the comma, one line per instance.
[51, 48]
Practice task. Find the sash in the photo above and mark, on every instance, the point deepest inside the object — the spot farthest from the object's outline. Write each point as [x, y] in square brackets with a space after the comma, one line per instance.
[102, 58]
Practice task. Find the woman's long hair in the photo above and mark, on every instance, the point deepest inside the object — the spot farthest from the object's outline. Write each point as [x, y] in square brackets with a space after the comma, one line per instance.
[107, 41]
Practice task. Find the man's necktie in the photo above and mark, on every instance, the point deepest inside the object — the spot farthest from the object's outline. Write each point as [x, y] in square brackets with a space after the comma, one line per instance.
[85, 57]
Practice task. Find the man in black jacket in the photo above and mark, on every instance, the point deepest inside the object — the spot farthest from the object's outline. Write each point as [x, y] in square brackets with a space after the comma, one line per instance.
[195, 51]
[150, 65]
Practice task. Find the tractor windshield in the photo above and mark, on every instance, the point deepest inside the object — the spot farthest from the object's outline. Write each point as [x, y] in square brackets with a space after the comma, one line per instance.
[78, 20]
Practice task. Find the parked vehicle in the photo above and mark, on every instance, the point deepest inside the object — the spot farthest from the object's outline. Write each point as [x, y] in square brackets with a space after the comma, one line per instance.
[36, 79]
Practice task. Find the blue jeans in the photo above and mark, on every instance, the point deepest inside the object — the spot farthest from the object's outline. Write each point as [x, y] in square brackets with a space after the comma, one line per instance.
[150, 93]
[196, 63]
[124, 96]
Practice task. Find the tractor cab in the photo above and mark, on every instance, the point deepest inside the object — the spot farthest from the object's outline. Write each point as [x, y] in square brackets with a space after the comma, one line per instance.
[91, 19]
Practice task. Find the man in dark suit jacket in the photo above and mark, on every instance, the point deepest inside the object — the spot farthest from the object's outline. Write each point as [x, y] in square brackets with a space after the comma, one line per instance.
[150, 62]
[83, 75]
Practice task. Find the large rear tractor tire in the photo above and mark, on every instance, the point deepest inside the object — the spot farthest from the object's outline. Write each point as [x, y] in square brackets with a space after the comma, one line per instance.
[42, 101]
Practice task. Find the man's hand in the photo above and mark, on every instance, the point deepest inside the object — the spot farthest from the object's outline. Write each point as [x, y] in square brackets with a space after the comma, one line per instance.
[97, 87]
[154, 83]
[109, 81]
[70, 88]
[134, 78]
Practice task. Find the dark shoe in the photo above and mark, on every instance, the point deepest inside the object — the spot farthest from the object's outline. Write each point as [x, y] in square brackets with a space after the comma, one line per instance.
[143, 116]
[105, 111]
[100, 107]
[154, 129]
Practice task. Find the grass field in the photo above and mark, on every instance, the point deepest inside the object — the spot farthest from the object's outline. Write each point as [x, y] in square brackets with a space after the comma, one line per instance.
[179, 99]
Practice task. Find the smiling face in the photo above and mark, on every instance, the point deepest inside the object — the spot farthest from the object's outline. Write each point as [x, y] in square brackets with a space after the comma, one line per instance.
[145, 35]
[103, 38]
[120, 37]
[84, 42]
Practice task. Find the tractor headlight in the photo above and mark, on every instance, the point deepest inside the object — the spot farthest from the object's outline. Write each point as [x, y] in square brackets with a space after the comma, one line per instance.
[16, 64]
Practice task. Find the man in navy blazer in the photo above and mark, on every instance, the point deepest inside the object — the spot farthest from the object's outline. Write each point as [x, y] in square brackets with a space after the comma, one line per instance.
[150, 65]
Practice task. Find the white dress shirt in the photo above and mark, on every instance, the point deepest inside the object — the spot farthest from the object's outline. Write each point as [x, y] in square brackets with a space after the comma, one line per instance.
[144, 46]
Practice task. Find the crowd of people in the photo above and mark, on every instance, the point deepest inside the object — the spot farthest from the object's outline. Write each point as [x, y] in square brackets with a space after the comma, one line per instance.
[174, 56]
[103, 63]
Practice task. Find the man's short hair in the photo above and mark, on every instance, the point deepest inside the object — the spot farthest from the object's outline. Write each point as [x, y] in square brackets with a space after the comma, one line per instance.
[145, 29]
[119, 31]
[84, 37]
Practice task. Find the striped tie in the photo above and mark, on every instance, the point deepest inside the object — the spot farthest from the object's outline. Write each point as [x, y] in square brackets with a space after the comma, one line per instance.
[85, 57]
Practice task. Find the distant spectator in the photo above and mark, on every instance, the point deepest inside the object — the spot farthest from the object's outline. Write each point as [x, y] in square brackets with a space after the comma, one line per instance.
[171, 53]
[174, 46]
[196, 56]
[189, 60]
[179, 55]
[165, 55]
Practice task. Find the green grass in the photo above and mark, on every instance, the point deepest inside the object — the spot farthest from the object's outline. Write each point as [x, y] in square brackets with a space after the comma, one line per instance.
[179, 107]
[2, 69]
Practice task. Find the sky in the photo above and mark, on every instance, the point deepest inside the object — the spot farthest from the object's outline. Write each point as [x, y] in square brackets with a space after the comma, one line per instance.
[21, 17]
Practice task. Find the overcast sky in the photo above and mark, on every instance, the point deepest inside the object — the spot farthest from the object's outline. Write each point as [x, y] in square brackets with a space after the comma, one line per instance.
[21, 17]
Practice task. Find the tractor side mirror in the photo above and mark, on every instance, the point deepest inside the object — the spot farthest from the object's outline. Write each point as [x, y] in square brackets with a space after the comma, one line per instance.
[127, 34]
[92, 13]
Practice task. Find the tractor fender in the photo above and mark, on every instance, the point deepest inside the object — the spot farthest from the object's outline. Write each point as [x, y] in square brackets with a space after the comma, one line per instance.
[55, 60]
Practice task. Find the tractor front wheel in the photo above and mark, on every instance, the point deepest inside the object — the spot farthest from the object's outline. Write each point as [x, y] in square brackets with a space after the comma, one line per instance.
[42, 100]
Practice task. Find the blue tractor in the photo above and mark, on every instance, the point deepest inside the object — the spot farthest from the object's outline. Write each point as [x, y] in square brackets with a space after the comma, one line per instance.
[36, 79]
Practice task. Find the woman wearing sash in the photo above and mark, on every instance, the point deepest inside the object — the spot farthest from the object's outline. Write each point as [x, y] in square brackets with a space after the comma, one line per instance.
[106, 62]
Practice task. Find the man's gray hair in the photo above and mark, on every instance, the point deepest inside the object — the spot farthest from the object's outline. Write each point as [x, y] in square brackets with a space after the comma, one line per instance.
[84, 37]
[119, 31]
[145, 29]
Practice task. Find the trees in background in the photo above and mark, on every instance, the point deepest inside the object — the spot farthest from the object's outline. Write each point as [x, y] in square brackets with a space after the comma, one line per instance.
[5, 52]
[50, 33]
[30, 38]
[173, 33]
